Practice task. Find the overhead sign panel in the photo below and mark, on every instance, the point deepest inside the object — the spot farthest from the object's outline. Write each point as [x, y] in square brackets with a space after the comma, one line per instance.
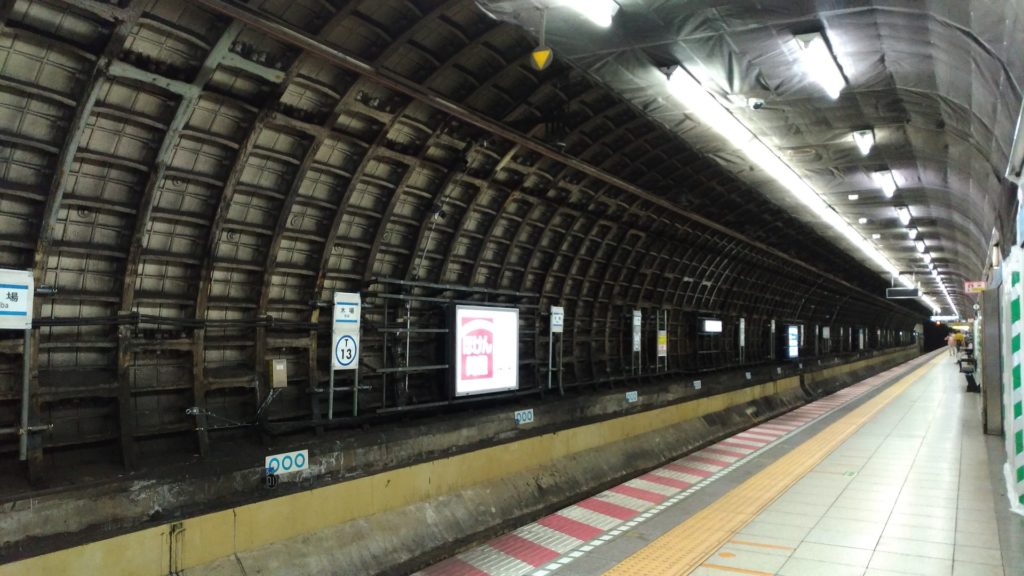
[16, 288]
[347, 313]
[486, 350]
[900, 293]
[974, 287]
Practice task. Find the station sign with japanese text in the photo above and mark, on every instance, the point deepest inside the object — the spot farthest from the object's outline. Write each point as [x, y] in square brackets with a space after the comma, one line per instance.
[974, 287]
[345, 332]
[557, 319]
[16, 288]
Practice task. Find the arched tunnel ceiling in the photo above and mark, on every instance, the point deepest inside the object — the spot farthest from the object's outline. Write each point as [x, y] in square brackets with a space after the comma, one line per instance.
[190, 181]
[939, 82]
[157, 149]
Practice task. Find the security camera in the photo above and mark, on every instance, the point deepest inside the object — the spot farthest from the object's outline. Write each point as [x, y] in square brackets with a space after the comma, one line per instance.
[755, 103]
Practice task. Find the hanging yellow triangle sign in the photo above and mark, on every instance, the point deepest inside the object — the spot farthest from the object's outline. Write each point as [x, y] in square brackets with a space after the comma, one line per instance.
[542, 58]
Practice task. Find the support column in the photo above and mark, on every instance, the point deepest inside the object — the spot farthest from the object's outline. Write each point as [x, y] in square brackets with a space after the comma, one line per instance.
[1014, 393]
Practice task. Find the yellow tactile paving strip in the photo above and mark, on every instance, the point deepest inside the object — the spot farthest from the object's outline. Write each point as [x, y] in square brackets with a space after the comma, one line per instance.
[685, 547]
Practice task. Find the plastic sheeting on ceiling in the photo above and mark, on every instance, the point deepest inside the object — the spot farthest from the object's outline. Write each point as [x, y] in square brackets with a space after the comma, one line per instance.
[939, 82]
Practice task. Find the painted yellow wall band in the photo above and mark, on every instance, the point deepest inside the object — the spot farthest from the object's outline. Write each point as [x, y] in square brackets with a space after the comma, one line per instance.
[685, 547]
[205, 538]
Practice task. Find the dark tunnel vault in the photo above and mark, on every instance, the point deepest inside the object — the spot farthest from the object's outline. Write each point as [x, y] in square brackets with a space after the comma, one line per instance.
[195, 190]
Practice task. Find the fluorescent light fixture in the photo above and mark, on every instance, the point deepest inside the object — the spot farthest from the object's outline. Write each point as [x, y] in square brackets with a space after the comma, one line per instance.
[862, 220]
[927, 258]
[921, 247]
[853, 197]
[886, 182]
[912, 232]
[904, 214]
[820, 65]
[600, 12]
[865, 140]
[876, 236]
[711, 113]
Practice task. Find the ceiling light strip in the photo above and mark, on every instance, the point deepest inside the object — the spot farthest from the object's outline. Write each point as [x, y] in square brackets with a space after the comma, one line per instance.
[600, 12]
[700, 102]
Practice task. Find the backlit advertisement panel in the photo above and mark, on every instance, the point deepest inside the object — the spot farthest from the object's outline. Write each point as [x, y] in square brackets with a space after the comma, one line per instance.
[709, 326]
[793, 341]
[486, 350]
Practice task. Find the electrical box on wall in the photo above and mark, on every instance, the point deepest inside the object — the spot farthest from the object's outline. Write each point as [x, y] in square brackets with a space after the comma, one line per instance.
[277, 372]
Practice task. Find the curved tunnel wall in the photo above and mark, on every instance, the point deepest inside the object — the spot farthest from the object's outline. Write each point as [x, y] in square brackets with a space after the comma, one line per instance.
[195, 190]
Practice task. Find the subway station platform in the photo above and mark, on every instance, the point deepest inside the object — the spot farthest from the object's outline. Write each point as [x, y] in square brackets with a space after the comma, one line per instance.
[889, 476]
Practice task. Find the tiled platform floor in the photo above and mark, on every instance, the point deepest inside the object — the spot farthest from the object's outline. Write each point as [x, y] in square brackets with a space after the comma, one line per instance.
[909, 493]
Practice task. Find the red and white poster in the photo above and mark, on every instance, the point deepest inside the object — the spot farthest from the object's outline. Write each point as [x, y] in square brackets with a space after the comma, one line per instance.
[486, 350]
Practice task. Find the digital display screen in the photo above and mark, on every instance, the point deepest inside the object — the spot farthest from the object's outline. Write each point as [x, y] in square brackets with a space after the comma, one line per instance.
[793, 341]
[711, 326]
[486, 350]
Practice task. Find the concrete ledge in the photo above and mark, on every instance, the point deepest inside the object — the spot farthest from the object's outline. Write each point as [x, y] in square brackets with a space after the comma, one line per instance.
[426, 531]
[426, 508]
[44, 521]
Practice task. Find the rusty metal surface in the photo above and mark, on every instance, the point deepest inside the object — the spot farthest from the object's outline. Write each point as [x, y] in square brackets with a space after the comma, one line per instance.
[194, 187]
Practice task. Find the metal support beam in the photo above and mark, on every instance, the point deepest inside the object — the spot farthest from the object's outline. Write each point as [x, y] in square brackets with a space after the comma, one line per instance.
[189, 96]
[77, 126]
[125, 23]
[206, 272]
[396, 196]
[402, 85]
[272, 253]
[26, 394]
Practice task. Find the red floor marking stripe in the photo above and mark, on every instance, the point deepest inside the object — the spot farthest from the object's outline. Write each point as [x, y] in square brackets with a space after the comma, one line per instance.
[608, 509]
[454, 567]
[522, 549]
[760, 435]
[574, 528]
[666, 481]
[639, 494]
[781, 432]
[740, 445]
[688, 470]
[706, 460]
[724, 452]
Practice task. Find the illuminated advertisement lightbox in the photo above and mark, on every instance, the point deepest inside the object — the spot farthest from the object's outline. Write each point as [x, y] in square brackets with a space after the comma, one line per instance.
[486, 350]
[793, 341]
[711, 326]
